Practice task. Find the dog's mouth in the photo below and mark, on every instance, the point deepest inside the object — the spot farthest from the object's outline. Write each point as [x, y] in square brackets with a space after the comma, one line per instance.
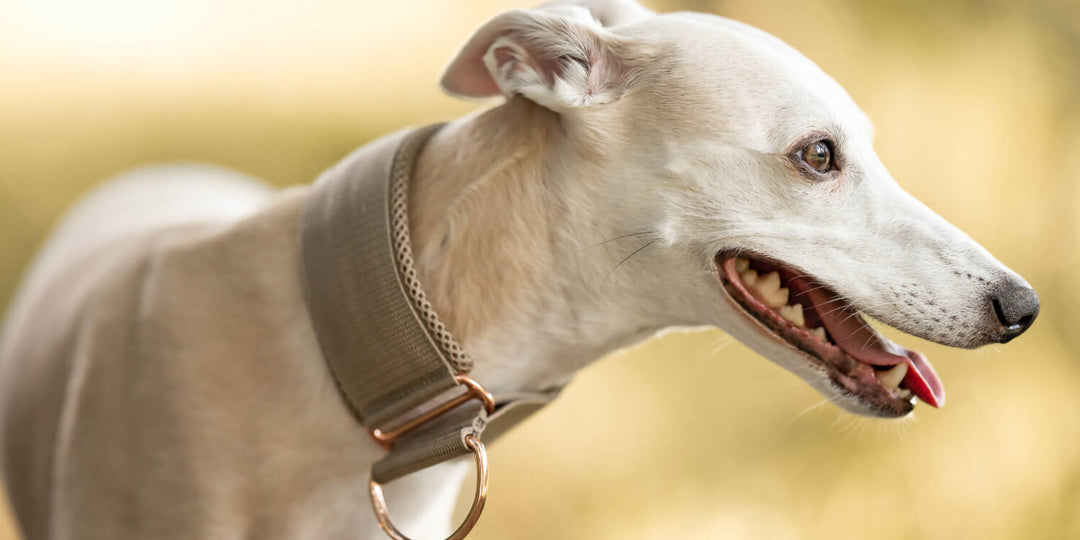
[859, 362]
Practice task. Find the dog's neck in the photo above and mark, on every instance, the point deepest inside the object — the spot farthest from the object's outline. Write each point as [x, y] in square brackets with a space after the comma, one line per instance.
[506, 212]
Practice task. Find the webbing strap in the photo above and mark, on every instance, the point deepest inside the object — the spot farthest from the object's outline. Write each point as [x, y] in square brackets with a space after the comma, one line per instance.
[371, 337]
[385, 346]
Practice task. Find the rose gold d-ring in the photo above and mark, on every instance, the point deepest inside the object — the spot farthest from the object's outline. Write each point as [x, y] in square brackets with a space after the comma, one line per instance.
[379, 504]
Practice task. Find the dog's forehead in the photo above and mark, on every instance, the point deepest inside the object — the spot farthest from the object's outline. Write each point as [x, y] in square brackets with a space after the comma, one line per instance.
[731, 69]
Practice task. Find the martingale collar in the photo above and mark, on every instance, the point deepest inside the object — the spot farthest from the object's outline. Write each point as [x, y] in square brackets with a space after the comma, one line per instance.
[392, 358]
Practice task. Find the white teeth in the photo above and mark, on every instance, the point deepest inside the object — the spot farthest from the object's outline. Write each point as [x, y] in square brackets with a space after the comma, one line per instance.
[793, 314]
[904, 393]
[748, 277]
[768, 283]
[891, 377]
[777, 298]
[768, 289]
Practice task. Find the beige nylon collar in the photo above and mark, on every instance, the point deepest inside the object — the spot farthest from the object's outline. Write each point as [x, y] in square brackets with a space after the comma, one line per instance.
[384, 344]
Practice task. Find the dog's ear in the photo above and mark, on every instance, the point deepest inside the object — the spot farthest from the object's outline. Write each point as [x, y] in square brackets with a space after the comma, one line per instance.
[559, 56]
[609, 12]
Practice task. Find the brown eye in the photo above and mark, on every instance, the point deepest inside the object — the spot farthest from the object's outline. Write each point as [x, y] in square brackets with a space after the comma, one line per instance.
[818, 155]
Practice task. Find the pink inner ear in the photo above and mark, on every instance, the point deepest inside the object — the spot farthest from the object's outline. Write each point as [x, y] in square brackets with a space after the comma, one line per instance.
[503, 55]
[468, 76]
[549, 69]
[529, 48]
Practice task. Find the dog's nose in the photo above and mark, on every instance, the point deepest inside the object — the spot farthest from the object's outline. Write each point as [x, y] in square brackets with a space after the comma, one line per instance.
[1016, 305]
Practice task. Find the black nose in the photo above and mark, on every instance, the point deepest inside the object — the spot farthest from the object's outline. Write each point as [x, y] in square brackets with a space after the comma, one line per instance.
[1016, 305]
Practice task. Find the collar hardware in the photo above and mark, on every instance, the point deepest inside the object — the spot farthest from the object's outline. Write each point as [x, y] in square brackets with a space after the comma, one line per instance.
[463, 530]
[473, 390]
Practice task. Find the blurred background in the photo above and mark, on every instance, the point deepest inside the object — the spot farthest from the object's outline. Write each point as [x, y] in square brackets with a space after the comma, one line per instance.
[975, 108]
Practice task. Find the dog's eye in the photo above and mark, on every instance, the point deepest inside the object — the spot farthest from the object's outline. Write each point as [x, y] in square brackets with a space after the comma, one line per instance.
[818, 155]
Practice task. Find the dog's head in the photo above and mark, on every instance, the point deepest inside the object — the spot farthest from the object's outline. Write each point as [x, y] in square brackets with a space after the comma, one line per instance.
[754, 173]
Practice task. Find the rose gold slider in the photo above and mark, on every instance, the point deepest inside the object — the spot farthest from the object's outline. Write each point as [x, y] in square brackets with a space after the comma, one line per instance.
[473, 390]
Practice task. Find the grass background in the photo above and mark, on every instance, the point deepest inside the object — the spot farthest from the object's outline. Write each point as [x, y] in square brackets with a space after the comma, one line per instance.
[691, 435]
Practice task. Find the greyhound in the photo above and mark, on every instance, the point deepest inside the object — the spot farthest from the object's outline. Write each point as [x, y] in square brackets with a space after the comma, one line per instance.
[160, 378]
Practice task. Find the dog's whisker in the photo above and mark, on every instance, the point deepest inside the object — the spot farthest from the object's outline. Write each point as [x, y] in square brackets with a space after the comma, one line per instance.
[812, 407]
[853, 314]
[842, 301]
[834, 310]
[868, 340]
[812, 289]
[717, 346]
[627, 258]
[839, 418]
[620, 237]
[708, 350]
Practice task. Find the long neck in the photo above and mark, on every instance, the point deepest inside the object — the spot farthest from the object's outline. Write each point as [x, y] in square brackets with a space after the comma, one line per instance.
[506, 245]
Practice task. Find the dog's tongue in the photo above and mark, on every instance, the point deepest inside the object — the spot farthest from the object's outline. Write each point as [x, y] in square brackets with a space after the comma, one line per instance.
[865, 344]
[923, 381]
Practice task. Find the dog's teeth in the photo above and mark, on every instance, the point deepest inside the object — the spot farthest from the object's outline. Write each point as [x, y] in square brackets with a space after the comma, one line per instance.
[777, 298]
[793, 314]
[904, 393]
[891, 377]
[818, 332]
[749, 278]
[769, 291]
[768, 284]
[741, 265]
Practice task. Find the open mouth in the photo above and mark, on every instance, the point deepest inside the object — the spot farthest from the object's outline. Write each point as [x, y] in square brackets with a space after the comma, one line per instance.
[860, 362]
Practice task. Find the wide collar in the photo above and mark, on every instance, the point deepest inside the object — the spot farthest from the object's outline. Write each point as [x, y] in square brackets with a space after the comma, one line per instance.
[389, 353]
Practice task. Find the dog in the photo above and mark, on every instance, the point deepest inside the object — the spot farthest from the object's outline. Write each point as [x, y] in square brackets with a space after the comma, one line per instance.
[160, 377]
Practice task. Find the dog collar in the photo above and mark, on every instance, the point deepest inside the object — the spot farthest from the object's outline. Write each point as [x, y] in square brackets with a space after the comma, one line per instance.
[397, 367]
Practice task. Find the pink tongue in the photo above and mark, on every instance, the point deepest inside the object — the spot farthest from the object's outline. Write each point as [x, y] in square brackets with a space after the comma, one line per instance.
[863, 343]
[923, 381]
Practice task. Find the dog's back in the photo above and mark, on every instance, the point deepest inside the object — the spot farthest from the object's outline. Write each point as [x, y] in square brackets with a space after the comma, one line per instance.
[74, 304]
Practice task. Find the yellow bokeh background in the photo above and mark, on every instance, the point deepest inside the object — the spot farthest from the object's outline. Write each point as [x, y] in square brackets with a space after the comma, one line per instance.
[690, 435]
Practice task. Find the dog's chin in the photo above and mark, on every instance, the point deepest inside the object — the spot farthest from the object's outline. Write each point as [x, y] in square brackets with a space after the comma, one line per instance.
[860, 370]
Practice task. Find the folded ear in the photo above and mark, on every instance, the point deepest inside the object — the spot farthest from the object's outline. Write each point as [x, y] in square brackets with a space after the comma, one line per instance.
[609, 12]
[558, 56]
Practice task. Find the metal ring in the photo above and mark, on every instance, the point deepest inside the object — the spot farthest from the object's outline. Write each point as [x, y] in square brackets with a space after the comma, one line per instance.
[477, 391]
[379, 503]
[473, 390]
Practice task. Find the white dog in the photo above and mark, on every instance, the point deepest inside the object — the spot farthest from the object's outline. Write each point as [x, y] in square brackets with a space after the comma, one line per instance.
[159, 376]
